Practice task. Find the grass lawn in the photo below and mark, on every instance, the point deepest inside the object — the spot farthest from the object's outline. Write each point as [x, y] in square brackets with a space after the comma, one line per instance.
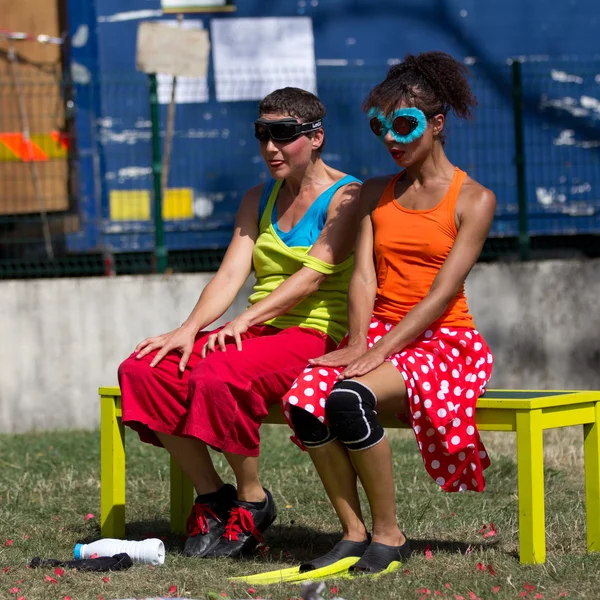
[49, 488]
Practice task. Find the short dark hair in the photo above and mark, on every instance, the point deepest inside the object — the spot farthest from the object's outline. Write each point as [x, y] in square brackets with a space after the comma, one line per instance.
[435, 82]
[295, 102]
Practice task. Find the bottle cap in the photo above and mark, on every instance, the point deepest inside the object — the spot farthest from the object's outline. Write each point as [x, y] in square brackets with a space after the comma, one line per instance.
[77, 551]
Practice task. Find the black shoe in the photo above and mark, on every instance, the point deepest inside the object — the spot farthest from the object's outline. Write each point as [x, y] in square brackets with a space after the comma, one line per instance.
[243, 532]
[343, 549]
[207, 521]
[378, 558]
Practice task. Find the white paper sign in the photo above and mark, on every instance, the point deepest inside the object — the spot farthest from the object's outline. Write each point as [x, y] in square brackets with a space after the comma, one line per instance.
[188, 89]
[190, 5]
[254, 56]
[164, 49]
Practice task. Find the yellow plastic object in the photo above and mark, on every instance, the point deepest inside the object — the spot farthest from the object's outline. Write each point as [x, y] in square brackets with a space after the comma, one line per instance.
[526, 412]
[129, 205]
[134, 205]
[182, 498]
[393, 566]
[591, 447]
[293, 575]
[178, 204]
[112, 468]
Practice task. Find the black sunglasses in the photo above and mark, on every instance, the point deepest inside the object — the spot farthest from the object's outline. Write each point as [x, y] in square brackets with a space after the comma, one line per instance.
[283, 130]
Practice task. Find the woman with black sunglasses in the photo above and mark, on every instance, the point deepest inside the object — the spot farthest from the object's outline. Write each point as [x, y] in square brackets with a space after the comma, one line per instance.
[190, 388]
[412, 350]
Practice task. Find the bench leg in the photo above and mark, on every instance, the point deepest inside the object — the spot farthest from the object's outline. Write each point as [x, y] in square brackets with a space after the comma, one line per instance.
[591, 448]
[182, 498]
[530, 465]
[112, 468]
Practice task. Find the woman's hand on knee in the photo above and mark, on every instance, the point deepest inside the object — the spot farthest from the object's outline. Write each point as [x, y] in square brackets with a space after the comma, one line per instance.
[180, 339]
[234, 329]
[339, 358]
[366, 363]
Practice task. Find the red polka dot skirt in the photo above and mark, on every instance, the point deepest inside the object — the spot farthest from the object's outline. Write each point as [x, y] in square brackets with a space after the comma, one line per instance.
[445, 371]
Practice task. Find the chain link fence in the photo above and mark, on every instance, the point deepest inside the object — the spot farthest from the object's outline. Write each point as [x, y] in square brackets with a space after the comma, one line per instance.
[77, 171]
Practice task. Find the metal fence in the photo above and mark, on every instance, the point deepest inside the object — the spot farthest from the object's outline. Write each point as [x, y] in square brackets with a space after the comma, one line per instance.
[79, 171]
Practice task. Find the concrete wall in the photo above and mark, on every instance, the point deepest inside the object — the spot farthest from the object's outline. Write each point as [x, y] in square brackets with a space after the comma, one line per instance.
[60, 339]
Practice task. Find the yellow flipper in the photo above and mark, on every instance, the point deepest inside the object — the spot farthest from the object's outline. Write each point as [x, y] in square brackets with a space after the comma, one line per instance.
[293, 574]
[393, 566]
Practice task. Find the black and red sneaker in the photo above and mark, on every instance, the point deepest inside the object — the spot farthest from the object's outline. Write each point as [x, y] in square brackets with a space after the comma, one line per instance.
[243, 532]
[206, 523]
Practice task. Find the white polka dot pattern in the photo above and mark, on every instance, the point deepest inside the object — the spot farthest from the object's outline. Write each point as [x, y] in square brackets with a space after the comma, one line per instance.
[435, 368]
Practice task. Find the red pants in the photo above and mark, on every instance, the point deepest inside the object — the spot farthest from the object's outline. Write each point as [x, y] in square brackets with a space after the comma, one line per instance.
[221, 399]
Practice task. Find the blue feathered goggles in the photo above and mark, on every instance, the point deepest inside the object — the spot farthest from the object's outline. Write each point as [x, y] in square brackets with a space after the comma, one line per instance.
[405, 124]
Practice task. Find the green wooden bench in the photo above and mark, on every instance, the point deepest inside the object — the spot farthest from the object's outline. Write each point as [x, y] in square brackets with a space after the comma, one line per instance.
[526, 412]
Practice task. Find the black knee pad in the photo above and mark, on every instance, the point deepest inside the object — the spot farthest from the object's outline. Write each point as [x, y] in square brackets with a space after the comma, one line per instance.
[309, 430]
[351, 415]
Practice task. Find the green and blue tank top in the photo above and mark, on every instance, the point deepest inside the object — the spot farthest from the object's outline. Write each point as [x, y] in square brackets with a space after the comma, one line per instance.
[278, 255]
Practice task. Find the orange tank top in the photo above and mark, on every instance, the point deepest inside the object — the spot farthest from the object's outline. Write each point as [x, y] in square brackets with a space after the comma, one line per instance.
[410, 248]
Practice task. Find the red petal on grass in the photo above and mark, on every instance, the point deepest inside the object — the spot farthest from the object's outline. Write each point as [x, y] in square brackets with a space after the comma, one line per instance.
[14, 591]
[523, 594]
[480, 567]
[458, 597]
[469, 550]
[173, 589]
[99, 596]
[6, 569]
[438, 593]
[50, 579]
[251, 590]
[58, 571]
[563, 594]
[482, 529]
[428, 552]
[491, 570]
[67, 598]
[8, 543]
[473, 596]
[423, 591]
[21, 598]
[496, 589]
[528, 587]
[491, 532]
[18, 582]
[224, 594]
[334, 590]
[447, 586]
[538, 596]
[407, 571]
[106, 579]
[89, 516]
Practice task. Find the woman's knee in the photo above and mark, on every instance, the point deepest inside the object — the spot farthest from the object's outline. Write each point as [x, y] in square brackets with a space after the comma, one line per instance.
[351, 413]
[309, 430]
[133, 369]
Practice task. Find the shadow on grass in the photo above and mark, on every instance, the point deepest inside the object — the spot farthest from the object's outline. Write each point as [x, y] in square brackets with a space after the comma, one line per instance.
[449, 546]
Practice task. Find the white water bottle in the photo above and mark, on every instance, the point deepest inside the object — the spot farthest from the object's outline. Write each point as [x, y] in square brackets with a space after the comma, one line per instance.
[151, 551]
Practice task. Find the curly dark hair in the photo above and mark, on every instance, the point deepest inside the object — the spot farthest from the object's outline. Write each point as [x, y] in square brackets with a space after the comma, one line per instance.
[434, 82]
